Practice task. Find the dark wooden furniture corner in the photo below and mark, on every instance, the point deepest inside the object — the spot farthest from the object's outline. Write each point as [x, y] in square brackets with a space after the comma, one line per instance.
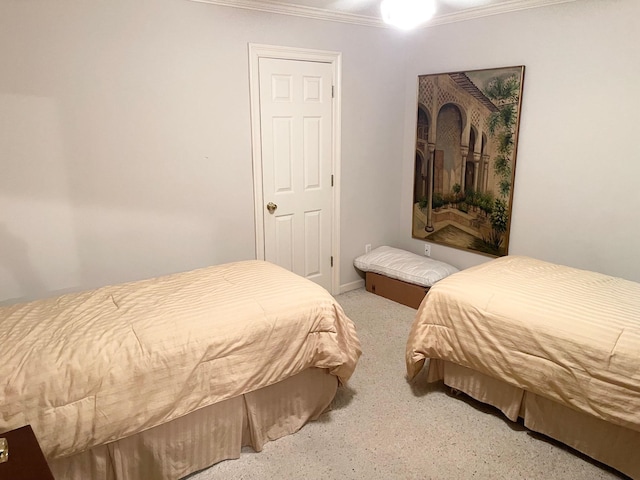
[26, 460]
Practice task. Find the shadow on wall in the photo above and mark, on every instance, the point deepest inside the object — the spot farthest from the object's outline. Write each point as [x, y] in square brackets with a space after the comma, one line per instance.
[15, 259]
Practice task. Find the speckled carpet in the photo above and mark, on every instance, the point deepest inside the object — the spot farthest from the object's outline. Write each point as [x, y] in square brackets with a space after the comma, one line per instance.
[381, 427]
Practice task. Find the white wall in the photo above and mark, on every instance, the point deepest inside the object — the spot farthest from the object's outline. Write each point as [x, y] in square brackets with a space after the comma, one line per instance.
[576, 197]
[125, 138]
[125, 135]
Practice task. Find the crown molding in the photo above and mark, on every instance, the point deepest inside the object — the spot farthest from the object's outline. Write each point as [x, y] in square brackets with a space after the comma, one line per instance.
[298, 11]
[346, 17]
[495, 9]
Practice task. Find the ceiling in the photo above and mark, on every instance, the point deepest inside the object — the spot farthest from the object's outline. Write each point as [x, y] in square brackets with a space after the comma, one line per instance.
[367, 12]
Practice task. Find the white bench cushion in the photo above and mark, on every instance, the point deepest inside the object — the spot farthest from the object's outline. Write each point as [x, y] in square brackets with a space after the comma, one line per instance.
[402, 265]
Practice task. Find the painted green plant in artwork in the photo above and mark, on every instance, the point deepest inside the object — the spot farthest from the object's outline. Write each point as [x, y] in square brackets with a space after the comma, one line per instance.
[504, 93]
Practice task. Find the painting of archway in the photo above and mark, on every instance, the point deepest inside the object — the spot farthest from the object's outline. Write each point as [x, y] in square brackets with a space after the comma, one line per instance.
[466, 143]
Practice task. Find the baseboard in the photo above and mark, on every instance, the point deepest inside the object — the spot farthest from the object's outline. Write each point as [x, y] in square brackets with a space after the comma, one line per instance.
[347, 287]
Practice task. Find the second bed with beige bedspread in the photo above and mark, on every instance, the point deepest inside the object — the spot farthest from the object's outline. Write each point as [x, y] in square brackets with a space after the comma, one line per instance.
[562, 334]
[90, 368]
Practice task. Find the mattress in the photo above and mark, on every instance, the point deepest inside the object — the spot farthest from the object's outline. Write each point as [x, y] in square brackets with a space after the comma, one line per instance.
[569, 335]
[90, 368]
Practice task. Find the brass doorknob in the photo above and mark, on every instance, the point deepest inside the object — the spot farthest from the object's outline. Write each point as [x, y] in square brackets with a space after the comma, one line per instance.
[271, 207]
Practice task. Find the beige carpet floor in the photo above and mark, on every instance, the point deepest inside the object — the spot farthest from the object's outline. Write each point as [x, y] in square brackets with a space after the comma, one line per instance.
[381, 427]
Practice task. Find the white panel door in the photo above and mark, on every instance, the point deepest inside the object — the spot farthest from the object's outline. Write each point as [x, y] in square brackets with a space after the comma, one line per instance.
[296, 143]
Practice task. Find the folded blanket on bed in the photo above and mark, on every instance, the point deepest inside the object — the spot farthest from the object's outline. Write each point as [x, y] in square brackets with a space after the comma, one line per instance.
[89, 368]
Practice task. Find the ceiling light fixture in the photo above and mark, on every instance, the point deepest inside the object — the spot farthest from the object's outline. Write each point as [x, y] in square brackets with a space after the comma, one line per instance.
[407, 14]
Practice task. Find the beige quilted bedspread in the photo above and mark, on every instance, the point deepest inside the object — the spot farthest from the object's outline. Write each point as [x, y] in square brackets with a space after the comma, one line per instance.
[88, 368]
[570, 335]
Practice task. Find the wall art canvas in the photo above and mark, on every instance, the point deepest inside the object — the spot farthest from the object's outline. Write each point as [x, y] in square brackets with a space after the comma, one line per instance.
[465, 160]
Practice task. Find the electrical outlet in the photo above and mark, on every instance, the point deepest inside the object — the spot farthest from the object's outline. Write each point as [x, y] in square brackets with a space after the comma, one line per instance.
[367, 248]
[427, 249]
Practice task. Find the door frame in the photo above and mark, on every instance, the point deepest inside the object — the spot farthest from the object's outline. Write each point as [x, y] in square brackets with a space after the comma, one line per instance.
[256, 52]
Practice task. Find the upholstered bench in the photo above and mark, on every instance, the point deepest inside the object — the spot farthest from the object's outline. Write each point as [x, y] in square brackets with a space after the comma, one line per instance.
[401, 276]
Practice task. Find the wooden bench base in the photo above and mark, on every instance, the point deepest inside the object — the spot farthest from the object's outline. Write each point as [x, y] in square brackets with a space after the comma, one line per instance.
[405, 293]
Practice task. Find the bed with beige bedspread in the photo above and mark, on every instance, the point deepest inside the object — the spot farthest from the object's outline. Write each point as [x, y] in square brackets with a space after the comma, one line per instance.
[557, 346]
[94, 369]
